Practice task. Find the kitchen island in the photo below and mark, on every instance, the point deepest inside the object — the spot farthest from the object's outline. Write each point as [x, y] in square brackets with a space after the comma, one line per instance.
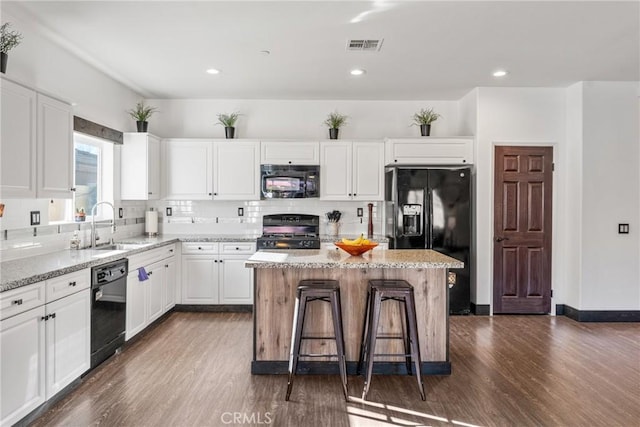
[277, 274]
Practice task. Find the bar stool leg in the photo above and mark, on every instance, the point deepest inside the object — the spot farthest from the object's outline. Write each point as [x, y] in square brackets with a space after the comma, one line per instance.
[336, 308]
[371, 341]
[296, 334]
[365, 330]
[415, 349]
[406, 336]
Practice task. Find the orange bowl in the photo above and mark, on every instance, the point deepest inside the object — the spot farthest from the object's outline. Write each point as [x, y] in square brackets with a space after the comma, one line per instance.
[356, 250]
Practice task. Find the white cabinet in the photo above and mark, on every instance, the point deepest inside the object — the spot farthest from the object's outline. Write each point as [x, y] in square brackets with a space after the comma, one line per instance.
[45, 341]
[429, 151]
[140, 167]
[18, 143]
[236, 170]
[150, 298]
[211, 170]
[68, 336]
[290, 153]
[351, 170]
[55, 148]
[214, 273]
[22, 364]
[37, 144]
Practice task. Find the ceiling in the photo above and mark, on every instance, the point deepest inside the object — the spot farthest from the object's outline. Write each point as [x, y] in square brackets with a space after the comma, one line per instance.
[431, 50]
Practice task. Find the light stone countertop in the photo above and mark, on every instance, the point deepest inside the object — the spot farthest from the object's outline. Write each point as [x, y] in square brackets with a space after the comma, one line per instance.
[331, 258]
[25, 271]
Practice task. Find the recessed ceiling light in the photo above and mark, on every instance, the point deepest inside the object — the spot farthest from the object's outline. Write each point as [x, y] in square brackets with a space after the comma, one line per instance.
[500, 73]
[357, 72]
[213, 71]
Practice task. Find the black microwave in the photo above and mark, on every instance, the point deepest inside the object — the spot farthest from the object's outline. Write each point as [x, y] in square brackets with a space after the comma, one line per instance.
[289, 181]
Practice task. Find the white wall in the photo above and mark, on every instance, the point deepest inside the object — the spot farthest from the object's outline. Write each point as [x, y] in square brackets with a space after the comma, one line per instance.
[273, 119]
[611, 182]
[43, 64]
[516, 116]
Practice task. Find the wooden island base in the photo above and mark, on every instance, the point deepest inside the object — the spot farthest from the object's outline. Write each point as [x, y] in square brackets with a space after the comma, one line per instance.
[275, 295]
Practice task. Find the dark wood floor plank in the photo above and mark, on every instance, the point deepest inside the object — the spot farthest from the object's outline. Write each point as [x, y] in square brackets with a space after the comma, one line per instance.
[194, 370]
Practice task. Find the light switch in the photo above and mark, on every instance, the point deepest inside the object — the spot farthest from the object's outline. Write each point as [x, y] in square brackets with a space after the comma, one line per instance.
[240, 211]
[360, 213]
[169, 211]
[120, 213]
[623, 228]
[35, 217]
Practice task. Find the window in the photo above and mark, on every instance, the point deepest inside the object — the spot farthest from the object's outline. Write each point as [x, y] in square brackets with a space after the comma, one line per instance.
[93, 179]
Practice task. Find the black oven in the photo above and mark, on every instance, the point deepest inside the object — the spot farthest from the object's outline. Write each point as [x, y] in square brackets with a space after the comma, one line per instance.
[289, 181]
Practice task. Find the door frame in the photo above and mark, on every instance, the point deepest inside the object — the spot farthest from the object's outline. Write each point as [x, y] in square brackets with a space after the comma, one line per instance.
[557, 159]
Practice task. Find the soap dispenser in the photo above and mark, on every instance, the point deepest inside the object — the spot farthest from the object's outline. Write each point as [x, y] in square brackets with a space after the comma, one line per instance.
[75, 241]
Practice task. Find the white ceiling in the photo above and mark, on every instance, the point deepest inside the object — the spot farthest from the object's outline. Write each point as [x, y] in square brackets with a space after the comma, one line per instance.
[431, 50]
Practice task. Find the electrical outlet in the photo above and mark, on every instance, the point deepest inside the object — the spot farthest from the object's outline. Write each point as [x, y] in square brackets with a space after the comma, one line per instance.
[360, 213]
[120, 213]
[169, 211]
[623, 228]
[35, 217]
[240, 211]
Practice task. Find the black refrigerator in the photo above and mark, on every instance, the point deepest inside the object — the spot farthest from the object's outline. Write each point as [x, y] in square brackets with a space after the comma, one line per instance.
[430, 208]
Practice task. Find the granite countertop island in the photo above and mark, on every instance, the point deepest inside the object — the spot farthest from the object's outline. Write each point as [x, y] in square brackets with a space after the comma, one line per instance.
[277, 274]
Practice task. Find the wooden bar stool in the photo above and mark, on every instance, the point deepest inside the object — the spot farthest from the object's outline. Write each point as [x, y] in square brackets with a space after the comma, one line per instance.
[384, 290]
[317, 290]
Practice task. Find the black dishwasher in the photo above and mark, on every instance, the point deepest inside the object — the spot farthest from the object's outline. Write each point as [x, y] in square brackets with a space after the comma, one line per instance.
[108, 309]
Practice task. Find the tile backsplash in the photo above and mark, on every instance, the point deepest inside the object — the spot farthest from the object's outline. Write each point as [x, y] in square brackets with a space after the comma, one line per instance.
[18, 239]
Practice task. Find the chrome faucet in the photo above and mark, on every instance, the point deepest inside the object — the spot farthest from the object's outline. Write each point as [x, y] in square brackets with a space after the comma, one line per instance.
[94, 236]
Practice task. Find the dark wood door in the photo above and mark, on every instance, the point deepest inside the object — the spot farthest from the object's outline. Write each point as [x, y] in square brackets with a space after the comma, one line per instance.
[522, 229]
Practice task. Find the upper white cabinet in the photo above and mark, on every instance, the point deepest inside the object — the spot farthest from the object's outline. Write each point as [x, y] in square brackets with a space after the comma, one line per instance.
[351, 170]
[18, 143]
[55, 148]
[211, 170]
[290, 153]
[236, 170]
[429, 151]
[36, 149]
[140, 167]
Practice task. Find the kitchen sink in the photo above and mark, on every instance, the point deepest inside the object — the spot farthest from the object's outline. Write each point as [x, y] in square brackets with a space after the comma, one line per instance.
[121, 247]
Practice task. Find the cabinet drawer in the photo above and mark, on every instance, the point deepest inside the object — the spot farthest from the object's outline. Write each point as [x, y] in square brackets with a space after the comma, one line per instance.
[200, 248]
[239, 248]
[19, 300]
[67, 284]
[146, 258]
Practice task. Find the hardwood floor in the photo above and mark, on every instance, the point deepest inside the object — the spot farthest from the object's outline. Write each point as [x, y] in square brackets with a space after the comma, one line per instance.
[193, 370]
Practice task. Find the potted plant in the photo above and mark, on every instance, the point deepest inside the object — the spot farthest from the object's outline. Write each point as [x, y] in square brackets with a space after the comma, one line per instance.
[80, 215]
[229, 123]
[335, 121]
[8, 40]
[424, 118]
[141, 114]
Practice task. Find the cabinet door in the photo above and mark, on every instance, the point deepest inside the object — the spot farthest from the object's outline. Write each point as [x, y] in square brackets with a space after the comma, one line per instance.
[236, 170]
[289, 153]
[155, 291]
[140, 167]
[22, 365]
[18, 141]
[236, 281]
[68, 331]
[430, 151]
[55, 148]
[368, 171]
[136, 305]
[199, 280]
[335, 165]
[169, 283]
[188, 170]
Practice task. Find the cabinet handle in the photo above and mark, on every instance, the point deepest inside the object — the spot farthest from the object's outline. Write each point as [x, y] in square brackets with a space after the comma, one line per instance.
[349, 194]
[52, 316]
[150, 273]
[354, 194]
[395, 161]
[211, 194]
[289, 161]
[464, 161]
[72, 283]
[220, 261]
[45, 318]
[72, 189]
[215, 194]
[150, 193]
[237, 249]
[17, 302]
[171, 250]
[166, 266]
[199, 248]
[215, 260]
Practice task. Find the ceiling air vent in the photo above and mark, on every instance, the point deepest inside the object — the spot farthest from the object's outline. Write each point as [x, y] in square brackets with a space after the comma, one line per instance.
[364, 45]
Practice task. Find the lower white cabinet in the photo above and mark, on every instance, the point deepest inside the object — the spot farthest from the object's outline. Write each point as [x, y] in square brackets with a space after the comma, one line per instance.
[149, 299]
[68, 332]
[43, 349]
[214, 273]
[22, 351]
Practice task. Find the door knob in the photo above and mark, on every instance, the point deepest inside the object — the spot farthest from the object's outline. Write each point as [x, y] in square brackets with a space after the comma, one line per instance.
[500, 239]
